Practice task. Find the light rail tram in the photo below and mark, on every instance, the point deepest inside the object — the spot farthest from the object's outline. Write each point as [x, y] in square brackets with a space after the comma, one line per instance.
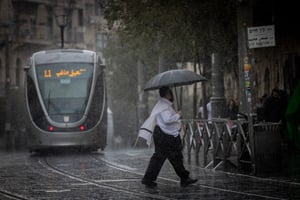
[66, 100]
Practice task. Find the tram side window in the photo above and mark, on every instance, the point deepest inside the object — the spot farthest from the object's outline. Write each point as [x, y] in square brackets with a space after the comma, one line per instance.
[97, 102]
[33, 101]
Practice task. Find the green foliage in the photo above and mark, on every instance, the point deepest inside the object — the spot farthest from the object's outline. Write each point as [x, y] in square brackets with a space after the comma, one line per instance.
[181, 29]
[175, 27]
[123, 72]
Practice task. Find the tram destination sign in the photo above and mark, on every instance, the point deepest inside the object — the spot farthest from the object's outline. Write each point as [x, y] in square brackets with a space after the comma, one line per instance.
[261, 36]
[47, 73]
[62, 71]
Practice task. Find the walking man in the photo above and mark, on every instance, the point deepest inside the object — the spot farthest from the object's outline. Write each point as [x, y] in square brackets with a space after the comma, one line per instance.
[167, 141]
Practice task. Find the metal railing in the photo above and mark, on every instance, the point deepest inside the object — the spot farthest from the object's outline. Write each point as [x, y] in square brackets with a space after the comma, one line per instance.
[218, 141]
[238, 143]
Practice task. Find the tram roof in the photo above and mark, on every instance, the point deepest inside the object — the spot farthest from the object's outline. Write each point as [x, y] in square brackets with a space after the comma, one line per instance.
[64, 55]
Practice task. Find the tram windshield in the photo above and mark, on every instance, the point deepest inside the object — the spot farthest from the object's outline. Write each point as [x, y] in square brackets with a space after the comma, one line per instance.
[65, 87]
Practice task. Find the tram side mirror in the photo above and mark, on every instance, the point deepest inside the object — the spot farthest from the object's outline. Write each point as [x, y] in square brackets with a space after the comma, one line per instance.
[102, 66]
[26, 68]
[100, 60]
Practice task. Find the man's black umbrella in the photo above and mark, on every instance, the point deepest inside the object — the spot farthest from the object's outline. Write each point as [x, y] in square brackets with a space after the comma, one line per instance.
[173, 78]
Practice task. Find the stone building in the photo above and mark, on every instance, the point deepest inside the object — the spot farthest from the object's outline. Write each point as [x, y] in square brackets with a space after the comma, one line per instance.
[28, 26]
[33, 25]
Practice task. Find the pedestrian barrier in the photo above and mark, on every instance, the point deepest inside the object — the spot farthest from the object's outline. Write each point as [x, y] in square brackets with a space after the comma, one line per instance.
[238, 143]
[235, 142]
[197, 135]
[215, 141]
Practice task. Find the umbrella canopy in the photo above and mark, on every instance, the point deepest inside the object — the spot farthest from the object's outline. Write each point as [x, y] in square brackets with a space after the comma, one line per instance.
[173, 78]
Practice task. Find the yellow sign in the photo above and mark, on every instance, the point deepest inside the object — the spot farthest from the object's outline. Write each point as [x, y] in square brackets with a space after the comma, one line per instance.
[247, 67]
[63, 73]
[47, 73]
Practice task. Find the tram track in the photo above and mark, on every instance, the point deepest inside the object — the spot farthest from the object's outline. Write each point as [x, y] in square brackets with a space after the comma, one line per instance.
[104, 184]
[124, 168]
[131, 170]
[9, 195]
[111, 174]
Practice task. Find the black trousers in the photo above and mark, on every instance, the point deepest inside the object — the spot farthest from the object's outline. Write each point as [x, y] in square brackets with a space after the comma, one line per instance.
[166, 147]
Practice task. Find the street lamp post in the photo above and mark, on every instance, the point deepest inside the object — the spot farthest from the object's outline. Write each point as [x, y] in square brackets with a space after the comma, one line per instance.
[62, 22]
[63, 17]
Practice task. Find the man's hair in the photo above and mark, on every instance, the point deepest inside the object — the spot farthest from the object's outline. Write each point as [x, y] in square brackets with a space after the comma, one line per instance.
[164, 91]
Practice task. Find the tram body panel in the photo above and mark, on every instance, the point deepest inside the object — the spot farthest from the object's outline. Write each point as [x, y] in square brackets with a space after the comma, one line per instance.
[87, 139]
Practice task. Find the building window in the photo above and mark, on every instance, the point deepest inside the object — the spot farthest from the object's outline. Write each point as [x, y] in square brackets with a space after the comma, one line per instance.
[89, 8]
[80, 18]
[18, 72]
[98, 11]
[41, 15]
[1, 70]
[101, 41]
[267, 81]
[1, 75]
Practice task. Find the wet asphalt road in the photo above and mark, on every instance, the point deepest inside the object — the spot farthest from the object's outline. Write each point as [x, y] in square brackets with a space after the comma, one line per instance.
[117, 175]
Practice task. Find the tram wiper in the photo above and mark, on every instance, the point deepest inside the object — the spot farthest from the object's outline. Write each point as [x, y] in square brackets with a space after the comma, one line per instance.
[48, 106]
[55, 110]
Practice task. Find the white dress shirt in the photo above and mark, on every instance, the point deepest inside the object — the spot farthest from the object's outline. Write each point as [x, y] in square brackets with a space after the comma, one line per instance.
[147, 127]
[168, 120]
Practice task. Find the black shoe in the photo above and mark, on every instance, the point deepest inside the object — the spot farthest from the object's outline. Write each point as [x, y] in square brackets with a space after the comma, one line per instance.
[149, 184]
[187, 181]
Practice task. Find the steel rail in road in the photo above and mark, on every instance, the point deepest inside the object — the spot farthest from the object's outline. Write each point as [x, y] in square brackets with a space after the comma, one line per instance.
[122, 162]
[132, 170]
[10, 195]
[102, 184]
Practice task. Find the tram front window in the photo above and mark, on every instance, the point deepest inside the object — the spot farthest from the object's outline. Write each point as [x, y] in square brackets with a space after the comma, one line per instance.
[65, 87]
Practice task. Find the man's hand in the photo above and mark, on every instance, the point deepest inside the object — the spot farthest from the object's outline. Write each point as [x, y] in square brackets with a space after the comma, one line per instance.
[180, 113]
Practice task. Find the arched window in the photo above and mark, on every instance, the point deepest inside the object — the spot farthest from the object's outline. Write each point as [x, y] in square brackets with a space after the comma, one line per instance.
[229, 88]
[18, 72]
[1, 75]
[42, 15]
[267, 81]
[42, 20]
[1, 70]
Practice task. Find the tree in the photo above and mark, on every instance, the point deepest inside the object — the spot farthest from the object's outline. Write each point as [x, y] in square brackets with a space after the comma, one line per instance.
[179, 30]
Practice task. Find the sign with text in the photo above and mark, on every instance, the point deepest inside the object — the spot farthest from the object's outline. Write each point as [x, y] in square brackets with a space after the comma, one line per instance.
[261, 36]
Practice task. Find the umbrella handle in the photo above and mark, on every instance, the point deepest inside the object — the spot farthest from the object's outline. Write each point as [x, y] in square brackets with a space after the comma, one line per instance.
[177, 100]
